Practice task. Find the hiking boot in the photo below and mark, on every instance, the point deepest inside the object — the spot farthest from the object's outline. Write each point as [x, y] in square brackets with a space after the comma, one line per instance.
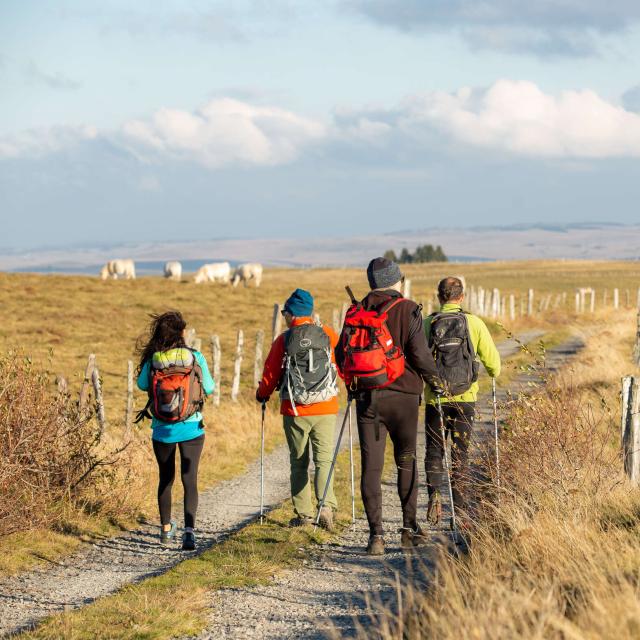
[375, 546]
[412, 538]
[326, 518]
[300, 521]
[434, 508]
[167, 536]
[188, 541]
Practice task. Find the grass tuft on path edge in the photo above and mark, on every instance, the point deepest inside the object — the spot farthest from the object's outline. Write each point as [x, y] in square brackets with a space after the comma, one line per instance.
[176, 603]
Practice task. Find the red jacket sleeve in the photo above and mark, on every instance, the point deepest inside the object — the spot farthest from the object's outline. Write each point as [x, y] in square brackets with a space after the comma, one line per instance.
[272, 368]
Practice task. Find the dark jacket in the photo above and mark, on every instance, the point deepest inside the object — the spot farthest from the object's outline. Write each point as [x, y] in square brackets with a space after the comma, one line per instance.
[406, 328]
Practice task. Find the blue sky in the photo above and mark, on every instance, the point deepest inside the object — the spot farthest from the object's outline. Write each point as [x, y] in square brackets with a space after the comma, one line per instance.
[178, 120]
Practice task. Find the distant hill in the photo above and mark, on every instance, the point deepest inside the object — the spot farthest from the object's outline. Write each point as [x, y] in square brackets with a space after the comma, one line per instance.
[589, 241]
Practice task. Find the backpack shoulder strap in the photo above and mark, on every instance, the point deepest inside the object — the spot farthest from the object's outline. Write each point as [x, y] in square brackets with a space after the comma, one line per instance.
[387, 306]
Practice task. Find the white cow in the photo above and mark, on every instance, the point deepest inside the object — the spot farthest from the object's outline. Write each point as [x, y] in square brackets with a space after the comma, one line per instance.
[115, 268]
[246, 272]
[173, 270]
[214, 272]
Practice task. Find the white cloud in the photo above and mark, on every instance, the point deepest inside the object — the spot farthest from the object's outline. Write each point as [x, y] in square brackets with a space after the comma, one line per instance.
[519, 118]
[513, 117]
[225, 132]
[41, 142]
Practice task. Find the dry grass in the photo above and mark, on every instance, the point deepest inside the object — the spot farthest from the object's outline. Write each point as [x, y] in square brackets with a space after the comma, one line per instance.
[59, 320]
[559, 556]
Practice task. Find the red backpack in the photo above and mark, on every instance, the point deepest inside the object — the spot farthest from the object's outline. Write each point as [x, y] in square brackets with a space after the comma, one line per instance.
[371, 359]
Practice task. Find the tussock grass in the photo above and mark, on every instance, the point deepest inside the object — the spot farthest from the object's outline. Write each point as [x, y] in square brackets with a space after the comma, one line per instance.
[559, 555]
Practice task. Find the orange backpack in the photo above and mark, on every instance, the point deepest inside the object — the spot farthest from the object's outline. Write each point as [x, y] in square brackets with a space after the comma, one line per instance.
[175, 386]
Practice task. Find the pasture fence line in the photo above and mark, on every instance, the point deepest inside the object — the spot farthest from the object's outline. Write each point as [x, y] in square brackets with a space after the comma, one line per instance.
[630, 427]
[257, 363]
[215, 358]
[237, 366]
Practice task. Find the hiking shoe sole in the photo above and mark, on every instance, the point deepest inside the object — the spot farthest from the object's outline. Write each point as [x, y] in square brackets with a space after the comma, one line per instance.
[326, 518]
[375, 546]
[167, 536]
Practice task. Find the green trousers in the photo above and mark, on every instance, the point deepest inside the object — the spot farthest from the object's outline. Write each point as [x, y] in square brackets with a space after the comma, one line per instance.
[319, 433]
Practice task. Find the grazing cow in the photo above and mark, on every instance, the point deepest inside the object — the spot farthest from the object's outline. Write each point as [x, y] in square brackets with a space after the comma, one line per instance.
[214, 272]
[115, 268]
[173, 270]
[246, 272]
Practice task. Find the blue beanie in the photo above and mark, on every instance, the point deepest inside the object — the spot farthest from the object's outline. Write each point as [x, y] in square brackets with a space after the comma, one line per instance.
[300, 303]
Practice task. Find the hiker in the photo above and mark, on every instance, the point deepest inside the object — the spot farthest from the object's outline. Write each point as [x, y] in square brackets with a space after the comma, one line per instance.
[456, 338]
[177, 380]
[301, 364]
[386, 377]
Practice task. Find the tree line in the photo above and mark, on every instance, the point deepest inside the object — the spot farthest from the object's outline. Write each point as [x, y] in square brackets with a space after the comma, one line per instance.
[424, 253]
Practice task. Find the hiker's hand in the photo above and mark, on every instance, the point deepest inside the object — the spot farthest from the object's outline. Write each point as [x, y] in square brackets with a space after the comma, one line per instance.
[438, 390]
[259, 398]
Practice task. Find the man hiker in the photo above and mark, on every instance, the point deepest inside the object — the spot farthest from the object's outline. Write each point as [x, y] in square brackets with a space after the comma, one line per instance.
[301, 363]
[385, 360]
[456, 339]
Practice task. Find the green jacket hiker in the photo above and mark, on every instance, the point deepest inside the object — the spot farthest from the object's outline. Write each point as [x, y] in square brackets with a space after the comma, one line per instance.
[483, 346]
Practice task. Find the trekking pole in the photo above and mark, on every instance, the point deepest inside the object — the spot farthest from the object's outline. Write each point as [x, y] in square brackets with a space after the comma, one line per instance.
[264, 410]
[454, 526]
[495, 431]
[353, 485]
[333, 464]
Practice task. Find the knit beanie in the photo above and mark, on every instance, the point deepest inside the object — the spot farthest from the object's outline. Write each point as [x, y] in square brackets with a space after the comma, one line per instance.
[299, 303]
[383, 273]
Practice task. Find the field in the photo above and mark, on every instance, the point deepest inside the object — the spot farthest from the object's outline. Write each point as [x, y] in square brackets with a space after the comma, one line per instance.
[58, 320]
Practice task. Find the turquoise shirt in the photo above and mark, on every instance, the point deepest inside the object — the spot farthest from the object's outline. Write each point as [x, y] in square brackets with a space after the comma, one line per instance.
[187, 429]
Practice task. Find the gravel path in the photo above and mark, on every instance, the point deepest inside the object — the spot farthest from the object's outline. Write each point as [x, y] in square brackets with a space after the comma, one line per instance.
[100, 569]
[340, 590]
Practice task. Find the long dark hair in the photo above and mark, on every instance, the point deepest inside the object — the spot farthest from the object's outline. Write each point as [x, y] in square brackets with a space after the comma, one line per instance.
[165, 332]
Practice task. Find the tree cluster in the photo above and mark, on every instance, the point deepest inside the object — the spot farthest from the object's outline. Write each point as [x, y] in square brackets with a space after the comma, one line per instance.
[424, 253]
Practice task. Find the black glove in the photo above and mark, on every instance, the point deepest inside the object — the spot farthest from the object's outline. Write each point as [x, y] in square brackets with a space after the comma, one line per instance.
[260, 399]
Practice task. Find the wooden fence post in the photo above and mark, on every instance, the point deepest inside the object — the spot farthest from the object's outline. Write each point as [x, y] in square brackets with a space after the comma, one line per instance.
[343, 313]
[189, 337]
[592, 301]
[336, 321]
[97, 388]
[215, 357]
[577, 302]
[276, 323]
[316, 319]
[512, 307]
[84, 390]
[631, 427]
[128, 418]
[616, 298]
[257, 366]
[495, 303]
[237, 365]
[530, 302]
[636, 348]
[627, 298]
[407, 288]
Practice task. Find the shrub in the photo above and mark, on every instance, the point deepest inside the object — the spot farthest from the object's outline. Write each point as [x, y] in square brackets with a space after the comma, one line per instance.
[50, 453]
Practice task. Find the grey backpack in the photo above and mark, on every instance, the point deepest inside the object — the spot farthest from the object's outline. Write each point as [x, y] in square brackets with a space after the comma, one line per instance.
[309, 375]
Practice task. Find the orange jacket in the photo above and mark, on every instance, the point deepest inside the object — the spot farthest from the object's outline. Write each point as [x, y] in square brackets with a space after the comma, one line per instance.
[273, 368]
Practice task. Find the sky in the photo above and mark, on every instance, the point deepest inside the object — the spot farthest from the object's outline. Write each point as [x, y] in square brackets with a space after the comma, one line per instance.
[156, 121]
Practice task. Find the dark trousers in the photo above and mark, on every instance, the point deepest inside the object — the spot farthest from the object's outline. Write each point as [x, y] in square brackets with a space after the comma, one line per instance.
[397, 415]
[190, 451]
[458, 422]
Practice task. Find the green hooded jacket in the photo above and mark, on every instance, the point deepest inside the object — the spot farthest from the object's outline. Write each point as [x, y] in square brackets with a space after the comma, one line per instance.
[484, 347]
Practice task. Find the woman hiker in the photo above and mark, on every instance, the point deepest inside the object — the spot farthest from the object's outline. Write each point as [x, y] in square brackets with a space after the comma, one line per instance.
[177, 380]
